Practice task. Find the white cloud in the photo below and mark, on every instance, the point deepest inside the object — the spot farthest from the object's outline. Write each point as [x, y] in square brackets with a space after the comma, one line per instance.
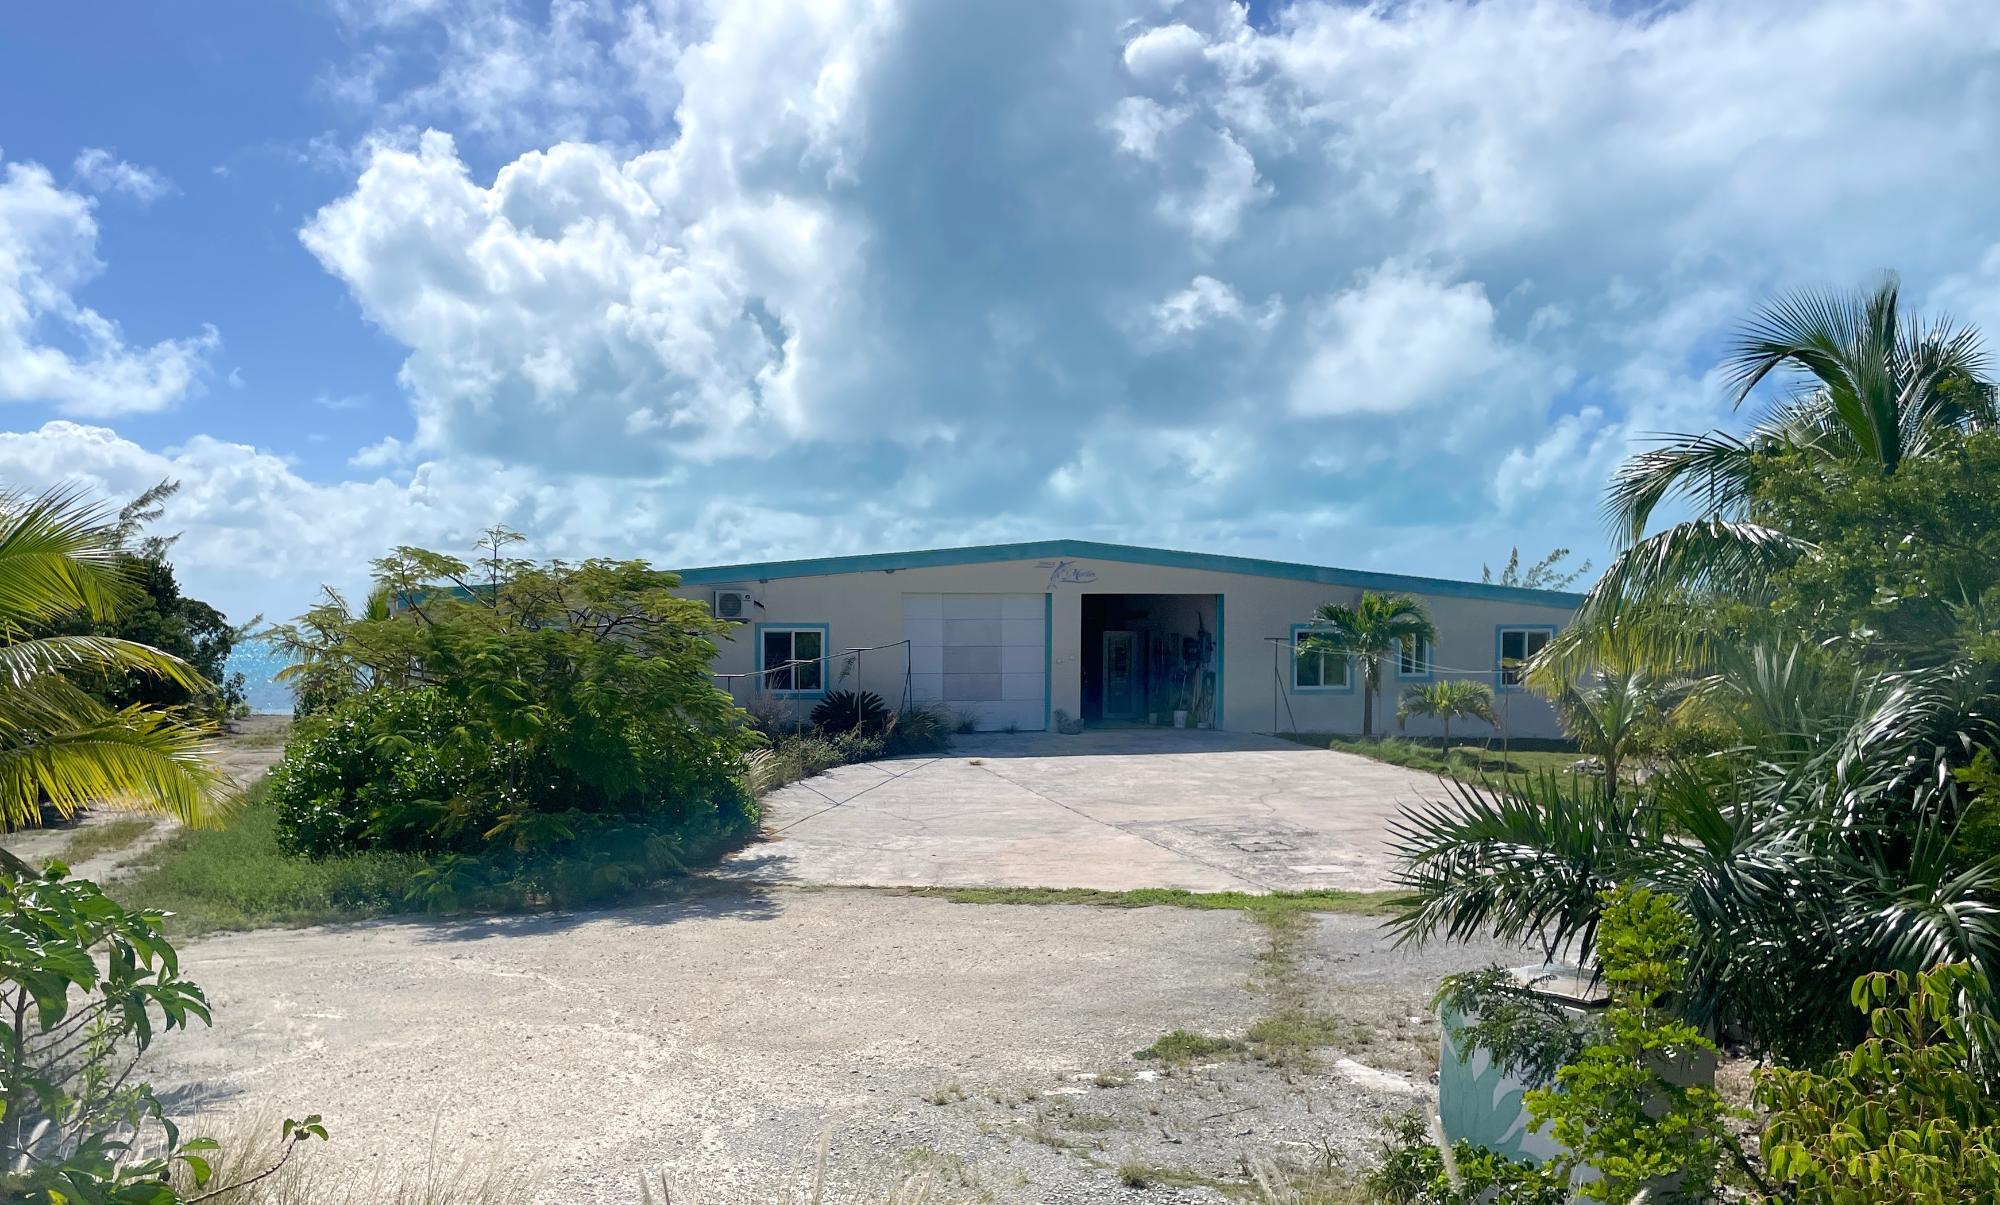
[1402, 340]
[884, 274]
[1206, 302]
[55, 350]
[1164, 53]
[102, 172]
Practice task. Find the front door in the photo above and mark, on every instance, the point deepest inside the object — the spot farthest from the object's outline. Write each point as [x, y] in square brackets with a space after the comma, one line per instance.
[1121, 675]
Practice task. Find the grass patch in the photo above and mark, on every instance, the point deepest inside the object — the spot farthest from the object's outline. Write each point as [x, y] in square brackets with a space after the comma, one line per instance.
[1357, 903]
[1294, 1028]
[94, 839]
[236, 878]
[1468, 762]
[1185, 1046]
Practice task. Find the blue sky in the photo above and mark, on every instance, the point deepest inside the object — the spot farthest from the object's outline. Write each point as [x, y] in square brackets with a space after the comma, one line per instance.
[1391, 286]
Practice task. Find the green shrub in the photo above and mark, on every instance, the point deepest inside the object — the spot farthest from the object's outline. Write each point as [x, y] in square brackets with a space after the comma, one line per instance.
[1412, 1171]
[851, 711]
[1614, 1109]
[550, 732]
[923, 728]
[88, 986]
[1905, 1117]
[367, 773]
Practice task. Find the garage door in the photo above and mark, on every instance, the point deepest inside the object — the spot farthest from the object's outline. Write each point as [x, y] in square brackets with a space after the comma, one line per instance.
[980, 654]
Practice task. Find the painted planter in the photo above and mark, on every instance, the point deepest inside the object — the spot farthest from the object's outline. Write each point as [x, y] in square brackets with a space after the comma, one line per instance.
[1480, 1103]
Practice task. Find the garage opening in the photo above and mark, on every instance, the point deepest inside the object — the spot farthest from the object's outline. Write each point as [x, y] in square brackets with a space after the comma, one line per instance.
[1148, 656]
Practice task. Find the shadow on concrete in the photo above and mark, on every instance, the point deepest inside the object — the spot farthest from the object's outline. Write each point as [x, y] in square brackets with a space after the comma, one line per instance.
[697, 897]
[1119, 742]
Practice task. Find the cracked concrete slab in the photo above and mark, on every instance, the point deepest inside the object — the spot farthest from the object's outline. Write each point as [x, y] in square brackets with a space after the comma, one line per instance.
[1113, 809]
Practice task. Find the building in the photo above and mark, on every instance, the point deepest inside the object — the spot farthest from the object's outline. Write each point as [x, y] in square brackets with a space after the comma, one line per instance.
[1006, 635]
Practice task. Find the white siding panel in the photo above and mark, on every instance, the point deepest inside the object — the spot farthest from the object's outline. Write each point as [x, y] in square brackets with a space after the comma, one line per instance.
[980, 653]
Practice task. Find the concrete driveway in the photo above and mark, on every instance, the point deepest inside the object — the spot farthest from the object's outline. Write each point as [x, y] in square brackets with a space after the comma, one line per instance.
[1113, 809]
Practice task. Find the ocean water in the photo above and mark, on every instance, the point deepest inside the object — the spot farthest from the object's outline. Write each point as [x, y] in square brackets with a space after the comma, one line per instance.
[258, 662]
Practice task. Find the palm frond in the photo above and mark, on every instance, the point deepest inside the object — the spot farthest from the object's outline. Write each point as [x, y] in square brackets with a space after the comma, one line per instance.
[131, 759]
[26, 660]
[1714, 472]
[1701, 557]
[58, 556]
[1530, 861]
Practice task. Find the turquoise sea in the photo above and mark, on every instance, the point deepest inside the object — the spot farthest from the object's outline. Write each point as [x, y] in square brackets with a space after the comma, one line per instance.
[258, 662]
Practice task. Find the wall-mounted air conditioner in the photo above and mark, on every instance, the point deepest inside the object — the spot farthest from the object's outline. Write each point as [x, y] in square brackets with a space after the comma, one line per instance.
[733, 604]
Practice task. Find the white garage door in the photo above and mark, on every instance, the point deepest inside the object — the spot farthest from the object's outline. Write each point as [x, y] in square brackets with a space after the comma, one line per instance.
[982, 654]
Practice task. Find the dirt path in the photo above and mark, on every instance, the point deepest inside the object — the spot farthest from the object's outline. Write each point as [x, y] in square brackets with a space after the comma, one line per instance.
[714, 1040]
[245, 752]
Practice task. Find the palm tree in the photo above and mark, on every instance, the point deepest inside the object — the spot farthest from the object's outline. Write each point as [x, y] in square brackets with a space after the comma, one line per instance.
[1374, 628]
[1813, 863]
[1871, 387]
[1447, 700]
[1607, 715]
[59, 747]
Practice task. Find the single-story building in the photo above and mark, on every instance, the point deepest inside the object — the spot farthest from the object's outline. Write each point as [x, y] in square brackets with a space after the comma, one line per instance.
[1006, 635]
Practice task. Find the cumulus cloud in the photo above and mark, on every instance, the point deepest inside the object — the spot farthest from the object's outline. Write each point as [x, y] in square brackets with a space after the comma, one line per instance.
[881, 274]
[101, 171]
[53, 348]
[1400, 340]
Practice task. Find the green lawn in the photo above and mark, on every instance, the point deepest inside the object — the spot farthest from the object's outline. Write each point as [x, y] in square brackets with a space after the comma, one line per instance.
[1468, 762]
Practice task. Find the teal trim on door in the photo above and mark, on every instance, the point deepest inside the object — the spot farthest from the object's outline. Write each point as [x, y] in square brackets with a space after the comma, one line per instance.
[1048, 662]
[1220, 664]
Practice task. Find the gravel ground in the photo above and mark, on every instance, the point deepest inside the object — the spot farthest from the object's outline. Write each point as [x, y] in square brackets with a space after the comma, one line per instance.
[715, 1040]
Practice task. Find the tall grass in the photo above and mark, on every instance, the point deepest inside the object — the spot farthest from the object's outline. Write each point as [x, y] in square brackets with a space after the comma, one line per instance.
[315, 1175]
[235, 877]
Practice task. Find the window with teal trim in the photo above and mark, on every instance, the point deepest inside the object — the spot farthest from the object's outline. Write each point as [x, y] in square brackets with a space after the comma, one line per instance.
[1413, 658]
[1312, 670]
[1517, 646]
[794, 659]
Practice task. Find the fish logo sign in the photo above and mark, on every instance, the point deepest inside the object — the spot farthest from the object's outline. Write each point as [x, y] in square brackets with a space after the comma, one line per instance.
[1067, 573]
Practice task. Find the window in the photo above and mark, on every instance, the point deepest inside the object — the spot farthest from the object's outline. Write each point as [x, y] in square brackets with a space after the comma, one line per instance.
[1413, 660]
[1517, 645]
[1316, 670]
[792, 660]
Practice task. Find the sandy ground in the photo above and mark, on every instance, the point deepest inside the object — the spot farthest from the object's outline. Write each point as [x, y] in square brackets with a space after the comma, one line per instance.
[245, 750]
[715, 1039]
[1112, 809]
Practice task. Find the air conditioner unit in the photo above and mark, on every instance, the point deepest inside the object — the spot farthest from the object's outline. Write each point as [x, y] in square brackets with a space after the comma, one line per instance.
[733, 604]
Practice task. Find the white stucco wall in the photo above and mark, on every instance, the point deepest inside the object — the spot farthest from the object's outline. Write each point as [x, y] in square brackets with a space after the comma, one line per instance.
[864, 608]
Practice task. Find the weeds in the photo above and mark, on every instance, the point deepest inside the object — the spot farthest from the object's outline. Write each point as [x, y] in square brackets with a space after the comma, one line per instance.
[1186, 1046]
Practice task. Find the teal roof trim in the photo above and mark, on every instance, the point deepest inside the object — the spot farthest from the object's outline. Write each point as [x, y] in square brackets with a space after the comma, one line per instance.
[889, 562]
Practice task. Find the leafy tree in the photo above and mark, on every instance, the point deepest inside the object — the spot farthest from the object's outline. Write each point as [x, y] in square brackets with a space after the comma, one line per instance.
[155, 613]
[1906, 1118]
[61, 748]
[1368, 632]
[520, 715]
[1446, 700]
[1549, 573]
